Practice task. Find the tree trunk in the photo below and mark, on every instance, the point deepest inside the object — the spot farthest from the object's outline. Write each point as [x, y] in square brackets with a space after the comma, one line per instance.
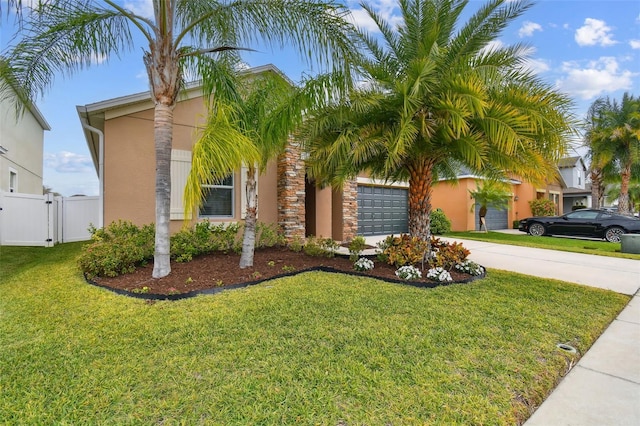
[482, 213]
[163, 67]
[623, 200]
[249, 237]
[597, 189]
[163, 128]
[420, 188]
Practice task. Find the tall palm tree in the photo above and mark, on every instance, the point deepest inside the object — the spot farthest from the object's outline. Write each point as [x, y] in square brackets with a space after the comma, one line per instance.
[613, 138]
[64, 36]
[439, 95]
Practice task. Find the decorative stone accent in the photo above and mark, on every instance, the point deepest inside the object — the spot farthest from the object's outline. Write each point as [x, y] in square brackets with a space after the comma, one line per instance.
[291, 193]
[349, 210]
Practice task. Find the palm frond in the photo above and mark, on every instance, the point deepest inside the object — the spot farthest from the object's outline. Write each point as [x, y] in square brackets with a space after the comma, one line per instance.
[221, 149]
[63, 38]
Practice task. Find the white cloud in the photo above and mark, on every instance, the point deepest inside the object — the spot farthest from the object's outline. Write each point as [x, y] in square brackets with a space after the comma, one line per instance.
[384, 8]
[68, 162]
[635, 44]
[598, 77]
[528, 28]
[140, 7]
[493, 45]
[594, 32]
[537, 66]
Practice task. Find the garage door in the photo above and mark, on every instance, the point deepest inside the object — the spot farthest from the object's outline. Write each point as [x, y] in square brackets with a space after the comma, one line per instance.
[495, 219]
[382, 210]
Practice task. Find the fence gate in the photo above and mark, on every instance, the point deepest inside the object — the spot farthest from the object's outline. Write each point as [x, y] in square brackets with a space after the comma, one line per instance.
[44, 220]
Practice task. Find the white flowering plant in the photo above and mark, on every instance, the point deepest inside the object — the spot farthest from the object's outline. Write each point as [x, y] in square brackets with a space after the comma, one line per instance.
[408, 273]
[439, 274]
[363, 264]
[470, 267]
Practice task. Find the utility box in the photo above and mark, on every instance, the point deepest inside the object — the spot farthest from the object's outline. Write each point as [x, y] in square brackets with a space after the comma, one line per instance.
[630, 243]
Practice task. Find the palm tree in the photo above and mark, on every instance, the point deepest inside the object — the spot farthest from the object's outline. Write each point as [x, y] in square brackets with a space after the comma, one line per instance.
[613, 138]
[438, 96]
[490, 193]
[252, 117]
[634, 194]
[64, 36]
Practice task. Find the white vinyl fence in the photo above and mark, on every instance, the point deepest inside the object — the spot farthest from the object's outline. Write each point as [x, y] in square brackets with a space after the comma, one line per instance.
[45, 220]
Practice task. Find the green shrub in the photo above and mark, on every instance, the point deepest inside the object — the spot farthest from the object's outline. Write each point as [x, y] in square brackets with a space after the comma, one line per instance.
[190, 242]
[542, 207]
[227, 236]
[117, 249]
[320, 247]
[440, 224]
[269, 235]
[296, 244]
[356, 246]
[205, 238]
[402, 250]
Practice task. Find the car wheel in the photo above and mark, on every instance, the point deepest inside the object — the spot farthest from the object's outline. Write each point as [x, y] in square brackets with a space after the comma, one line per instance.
[536, 229]
[613, 234]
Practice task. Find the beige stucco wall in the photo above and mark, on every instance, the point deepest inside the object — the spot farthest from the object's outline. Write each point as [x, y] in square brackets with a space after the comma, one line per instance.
[24, 141]
[453, 198]
[129, 166]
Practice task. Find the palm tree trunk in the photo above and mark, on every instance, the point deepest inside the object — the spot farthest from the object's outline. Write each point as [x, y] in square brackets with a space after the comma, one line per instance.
[420, 189]
[163, 129]
[623, 200]
[249, 237]
[596, 188]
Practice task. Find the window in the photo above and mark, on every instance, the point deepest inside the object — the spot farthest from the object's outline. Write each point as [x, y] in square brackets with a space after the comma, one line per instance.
[13, 180]
[219, 199]
[582, 214]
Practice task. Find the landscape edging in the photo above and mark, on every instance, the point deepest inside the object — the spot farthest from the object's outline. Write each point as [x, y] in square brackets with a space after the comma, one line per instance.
[215, 290]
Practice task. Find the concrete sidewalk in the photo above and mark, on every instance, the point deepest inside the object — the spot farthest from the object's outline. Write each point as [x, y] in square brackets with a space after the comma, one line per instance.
[603, 388]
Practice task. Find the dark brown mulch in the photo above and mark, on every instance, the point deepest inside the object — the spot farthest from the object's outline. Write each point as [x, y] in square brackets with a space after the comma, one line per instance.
[221, 270]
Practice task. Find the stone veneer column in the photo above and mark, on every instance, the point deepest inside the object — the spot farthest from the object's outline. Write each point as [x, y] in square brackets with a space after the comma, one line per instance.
[349, 210]
[291, 192]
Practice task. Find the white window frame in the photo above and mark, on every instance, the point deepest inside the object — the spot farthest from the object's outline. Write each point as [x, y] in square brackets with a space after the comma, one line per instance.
[233, 199]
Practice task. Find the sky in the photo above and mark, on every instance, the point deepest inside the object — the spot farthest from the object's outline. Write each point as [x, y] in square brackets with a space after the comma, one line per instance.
[584, 48]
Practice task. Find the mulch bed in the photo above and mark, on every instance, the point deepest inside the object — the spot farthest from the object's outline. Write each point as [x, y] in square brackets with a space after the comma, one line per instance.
[208, 274]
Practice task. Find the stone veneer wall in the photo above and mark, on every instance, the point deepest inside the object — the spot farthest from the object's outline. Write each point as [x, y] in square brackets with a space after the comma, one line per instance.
[350, 210]
[291, 194]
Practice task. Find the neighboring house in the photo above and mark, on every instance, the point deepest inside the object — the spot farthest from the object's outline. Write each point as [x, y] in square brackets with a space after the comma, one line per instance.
[21, 149]
[454, 199]
[577, 193]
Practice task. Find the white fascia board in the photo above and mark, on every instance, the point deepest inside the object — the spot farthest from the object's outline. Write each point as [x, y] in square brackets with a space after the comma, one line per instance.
[380, 182]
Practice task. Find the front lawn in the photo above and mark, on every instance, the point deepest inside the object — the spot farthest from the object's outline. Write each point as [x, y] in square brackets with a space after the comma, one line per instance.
[316, 348]
[576, 245]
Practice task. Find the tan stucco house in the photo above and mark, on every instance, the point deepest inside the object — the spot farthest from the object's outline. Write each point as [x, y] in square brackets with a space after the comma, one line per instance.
[454, 199]
[21, 148]
[119, 134]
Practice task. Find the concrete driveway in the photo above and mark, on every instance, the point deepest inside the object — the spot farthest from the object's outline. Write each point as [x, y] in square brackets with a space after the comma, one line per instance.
[611, 273]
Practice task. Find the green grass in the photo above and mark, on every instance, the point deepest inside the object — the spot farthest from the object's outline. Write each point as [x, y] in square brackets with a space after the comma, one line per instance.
[601, 248]
[316, 348]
